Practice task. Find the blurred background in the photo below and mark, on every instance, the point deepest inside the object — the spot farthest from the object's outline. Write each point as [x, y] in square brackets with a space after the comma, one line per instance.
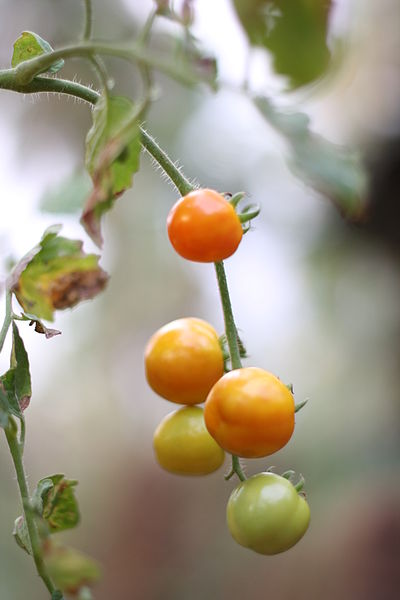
[316, 298]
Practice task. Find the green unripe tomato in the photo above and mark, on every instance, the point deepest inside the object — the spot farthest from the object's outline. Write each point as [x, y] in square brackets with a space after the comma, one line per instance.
[266, 514]
[182, 444]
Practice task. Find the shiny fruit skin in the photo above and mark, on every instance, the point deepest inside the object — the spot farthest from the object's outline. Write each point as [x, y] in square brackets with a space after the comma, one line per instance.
[183, 445]
[250, 413]
[183, 360]
[203, 227]
[266, 514]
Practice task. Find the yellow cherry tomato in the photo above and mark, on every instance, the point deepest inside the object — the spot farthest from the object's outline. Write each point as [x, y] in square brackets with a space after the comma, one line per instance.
[183, 360]
[183, 445]
[250, 413]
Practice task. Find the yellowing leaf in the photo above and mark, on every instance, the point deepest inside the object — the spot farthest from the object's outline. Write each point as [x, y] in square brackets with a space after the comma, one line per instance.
[54, 498]
[56, 275]
[69, 569]
[29, 45]
[112, 157]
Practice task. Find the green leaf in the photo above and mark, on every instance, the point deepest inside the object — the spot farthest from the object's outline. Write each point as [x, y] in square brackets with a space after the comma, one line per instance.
[68, 196]
[332, 170]
[23, 388]
[294, 31]
[29, 45]
[7, 390]
[4, 408]
[56, 275]
[21, 535]
[112, 157]
[57, 595]
[54, 499]
[69, 569]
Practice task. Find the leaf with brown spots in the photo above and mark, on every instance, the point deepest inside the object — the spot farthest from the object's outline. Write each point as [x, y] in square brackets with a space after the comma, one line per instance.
[112, 157]
[57, 275]
[54, 499]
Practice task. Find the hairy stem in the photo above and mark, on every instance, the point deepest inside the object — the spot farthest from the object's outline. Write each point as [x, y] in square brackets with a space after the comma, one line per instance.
[15, 450]
[72, 88]
[182, 184]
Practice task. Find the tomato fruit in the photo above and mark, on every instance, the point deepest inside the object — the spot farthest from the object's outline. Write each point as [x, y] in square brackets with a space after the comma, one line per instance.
[266, 514]
[204, 227]
[183, 360]
[250, 413]
[183, 445]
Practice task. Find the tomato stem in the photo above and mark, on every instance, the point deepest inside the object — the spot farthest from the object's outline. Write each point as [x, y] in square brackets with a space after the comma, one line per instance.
[230, 327]
[16, 453]
[237, 468]
[233, 343]
[87, 33]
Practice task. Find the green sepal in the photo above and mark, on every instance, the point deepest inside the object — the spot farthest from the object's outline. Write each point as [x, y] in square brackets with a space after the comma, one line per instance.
[29, 45]
[300, 405]
[288, 474]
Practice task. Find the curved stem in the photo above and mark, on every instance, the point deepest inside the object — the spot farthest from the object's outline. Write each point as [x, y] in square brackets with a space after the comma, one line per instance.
[72, 88]
[15, 450]
[237, 468]
[87, 33]
[28, 69]
[7, 319]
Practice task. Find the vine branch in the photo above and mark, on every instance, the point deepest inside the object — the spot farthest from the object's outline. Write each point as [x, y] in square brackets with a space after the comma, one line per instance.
[15, 450]
[87, 32]
[25, 72]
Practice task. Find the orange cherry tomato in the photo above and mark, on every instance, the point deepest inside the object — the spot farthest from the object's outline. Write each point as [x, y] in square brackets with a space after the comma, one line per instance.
[204, 227]
[250, 413]
[183, 445]
[183, 360]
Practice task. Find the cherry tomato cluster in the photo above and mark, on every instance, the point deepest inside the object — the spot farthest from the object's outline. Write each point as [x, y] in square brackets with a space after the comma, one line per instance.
[248, 412]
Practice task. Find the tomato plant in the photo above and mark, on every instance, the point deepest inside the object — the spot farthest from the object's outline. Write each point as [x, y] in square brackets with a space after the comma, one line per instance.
[183, 445]
[250, 413]
[202, 226]
[266, 514]
[183, 360]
